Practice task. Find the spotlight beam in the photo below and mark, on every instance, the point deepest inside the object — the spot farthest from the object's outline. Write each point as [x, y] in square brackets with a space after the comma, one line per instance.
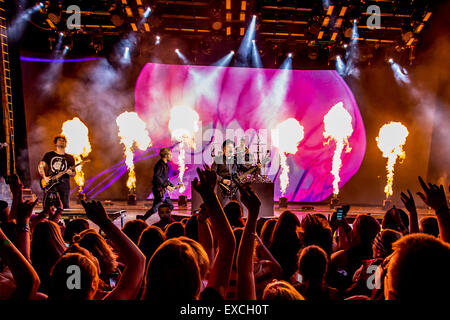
[246, 44]
[256, 58]
[182, 57]
[225, 61]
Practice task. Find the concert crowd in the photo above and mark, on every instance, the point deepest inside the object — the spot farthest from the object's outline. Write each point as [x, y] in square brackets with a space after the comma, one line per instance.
[217, 255]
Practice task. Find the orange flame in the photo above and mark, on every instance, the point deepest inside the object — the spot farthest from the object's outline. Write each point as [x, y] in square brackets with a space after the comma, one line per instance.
[286, 137]
[78, 145]
[338, 127]
[133, 134]
[390, 141]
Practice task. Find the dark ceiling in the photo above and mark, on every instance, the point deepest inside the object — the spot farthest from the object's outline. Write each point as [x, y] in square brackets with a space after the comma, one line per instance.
[314, 30]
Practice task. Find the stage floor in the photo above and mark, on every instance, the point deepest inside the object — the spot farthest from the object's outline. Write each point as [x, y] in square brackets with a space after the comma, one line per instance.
[300, 209]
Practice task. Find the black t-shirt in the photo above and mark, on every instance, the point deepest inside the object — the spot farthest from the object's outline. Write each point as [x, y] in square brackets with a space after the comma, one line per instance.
[57, 163]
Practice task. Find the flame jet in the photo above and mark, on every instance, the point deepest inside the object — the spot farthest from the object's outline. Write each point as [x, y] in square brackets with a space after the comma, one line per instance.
[338, 127]
[78, 145]
[390, 141]
[183, 124]
[286, 137]
[133, 134]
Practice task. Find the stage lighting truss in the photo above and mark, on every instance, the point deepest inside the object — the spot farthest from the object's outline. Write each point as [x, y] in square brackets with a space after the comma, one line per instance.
[213, 21]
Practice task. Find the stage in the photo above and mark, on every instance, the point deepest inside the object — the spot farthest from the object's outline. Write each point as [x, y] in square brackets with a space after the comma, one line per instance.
[129, 212]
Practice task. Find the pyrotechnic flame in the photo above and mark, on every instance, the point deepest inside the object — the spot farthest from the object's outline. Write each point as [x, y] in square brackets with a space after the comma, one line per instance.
[390, 141]
[133, 134]
[183, 124]
[286, 137]
[338, 127]
[78, 145]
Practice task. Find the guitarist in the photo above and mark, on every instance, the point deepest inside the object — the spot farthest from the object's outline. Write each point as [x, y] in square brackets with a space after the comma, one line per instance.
[54, 162]
[161, 184]
[225, 166]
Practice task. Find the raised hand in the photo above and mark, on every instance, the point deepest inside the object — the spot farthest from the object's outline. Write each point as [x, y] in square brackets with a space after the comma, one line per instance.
[434, 196]
[206, 184]
[25, 209]
[249, 198]
[15, 184]
[408, 201]
[95, 212]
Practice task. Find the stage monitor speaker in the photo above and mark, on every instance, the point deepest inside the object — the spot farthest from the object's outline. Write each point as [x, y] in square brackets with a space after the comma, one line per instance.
[265, 192]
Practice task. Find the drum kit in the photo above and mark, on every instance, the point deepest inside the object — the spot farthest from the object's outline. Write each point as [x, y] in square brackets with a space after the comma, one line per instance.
[245, 156]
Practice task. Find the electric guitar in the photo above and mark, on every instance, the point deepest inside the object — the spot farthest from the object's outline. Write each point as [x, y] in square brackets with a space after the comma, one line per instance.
[226, 188]
[163, 191]
[55, 179]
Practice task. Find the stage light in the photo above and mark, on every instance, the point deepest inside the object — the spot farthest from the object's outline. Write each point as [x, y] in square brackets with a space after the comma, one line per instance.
[340, 66]
[287, 63]
[147, 12]
[17, 26]
[223, 62]
[126, 58]
[290, 55]
[182, 56]
[400, 73]
[158, 40]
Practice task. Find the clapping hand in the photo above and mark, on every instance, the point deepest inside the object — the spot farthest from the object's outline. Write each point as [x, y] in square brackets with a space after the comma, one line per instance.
[434, 196]
[96, 213]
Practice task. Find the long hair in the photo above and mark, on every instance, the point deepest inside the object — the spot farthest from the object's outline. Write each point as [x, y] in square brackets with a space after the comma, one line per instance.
[47, 246]
[285, 243]
[281, 291]
[96, 244]
[151, 238]
[173, 273]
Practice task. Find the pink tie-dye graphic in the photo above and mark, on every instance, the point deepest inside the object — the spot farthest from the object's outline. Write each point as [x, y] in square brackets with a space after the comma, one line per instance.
[248, 98]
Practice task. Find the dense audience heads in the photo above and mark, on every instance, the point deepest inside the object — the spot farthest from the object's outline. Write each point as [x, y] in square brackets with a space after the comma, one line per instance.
[74, 227]
[216, 254]
[233, 211]
[418, 269]
[281, 291]
[151, 238]
[173, 273]
[133, 229]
